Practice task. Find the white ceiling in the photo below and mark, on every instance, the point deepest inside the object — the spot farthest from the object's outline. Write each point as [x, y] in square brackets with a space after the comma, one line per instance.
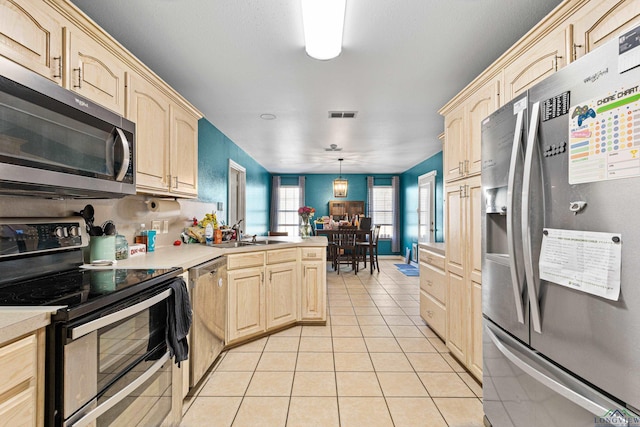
[401, 61]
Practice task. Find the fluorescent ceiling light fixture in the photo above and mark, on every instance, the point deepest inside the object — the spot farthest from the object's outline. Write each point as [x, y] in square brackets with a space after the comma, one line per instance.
[323, 24]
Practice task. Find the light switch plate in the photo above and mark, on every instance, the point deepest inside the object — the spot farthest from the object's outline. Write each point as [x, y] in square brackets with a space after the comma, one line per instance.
[155, 225]
[165, 226]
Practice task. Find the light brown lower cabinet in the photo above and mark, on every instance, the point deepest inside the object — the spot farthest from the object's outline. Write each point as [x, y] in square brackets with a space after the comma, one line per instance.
[246, 311]
[433, 290]
[272, 289]
[464, 273]
[22, 381]
[313, 284]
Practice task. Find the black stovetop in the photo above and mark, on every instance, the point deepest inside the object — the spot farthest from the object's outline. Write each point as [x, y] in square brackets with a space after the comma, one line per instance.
[82, 291]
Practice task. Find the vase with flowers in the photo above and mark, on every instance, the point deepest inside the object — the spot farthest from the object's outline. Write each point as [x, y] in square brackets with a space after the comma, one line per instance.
[305, 212]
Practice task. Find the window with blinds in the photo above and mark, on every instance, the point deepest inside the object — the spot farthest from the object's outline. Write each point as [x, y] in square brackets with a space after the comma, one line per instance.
[382, 209]
[288, 204]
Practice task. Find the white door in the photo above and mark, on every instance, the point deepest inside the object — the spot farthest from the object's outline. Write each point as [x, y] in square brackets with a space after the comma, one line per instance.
[426, 202]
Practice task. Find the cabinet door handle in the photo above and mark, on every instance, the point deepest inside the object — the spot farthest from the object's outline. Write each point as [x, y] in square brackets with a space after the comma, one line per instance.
[270, 276]
[466, 167]
[79, 85]
[555, 61]
[262, 278]
[575, 50]
[459, 168]
[169, 180]
[59, 59]
[176, 178]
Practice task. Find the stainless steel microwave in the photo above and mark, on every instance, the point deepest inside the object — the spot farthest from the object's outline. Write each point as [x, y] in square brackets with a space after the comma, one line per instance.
[55, 143]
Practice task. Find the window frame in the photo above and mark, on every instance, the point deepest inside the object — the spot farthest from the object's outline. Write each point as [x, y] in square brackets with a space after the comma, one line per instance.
[386, 212]
[287, 191]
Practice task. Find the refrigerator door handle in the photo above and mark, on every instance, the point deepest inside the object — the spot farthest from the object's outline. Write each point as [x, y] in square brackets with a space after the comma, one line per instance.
[588, 404]
[516, 277]
[526, 231]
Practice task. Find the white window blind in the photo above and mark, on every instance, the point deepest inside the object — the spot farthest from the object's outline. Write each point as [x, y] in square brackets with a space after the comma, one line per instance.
[382, 210]
[288, 204]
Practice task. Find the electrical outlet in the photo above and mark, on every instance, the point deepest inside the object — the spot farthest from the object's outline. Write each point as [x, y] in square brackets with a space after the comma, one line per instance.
[155, 225]
[165, 226]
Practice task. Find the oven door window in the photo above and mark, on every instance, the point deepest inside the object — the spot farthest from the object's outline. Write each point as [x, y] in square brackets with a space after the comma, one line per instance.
[123, 344]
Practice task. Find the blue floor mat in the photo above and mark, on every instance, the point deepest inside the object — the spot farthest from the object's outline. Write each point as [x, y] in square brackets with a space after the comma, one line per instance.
[408, 269]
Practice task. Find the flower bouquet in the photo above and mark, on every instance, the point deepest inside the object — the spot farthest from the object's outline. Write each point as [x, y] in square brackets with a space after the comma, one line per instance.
[305, 212]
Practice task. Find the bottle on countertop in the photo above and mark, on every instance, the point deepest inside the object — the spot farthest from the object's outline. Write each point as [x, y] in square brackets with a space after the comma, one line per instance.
[208, 234]
[140, 236]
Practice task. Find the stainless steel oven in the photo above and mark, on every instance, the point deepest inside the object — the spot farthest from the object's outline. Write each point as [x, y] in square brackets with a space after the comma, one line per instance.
[53, 142]
[108, 360]
[122, 358]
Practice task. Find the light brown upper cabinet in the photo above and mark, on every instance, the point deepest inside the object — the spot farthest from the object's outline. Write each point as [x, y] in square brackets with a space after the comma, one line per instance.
[600, 21]
[31, 36]
[183, 151]
[166, 141]
[532, 66]
[462, 131]
[149, 109]
[94, 72]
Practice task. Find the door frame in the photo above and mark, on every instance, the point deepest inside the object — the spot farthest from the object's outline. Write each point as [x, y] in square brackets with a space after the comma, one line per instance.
[428, 179]
[240, 198]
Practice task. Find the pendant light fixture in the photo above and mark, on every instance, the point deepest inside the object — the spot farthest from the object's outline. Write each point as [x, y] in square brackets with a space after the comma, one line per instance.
[323, 22]
[340, 186]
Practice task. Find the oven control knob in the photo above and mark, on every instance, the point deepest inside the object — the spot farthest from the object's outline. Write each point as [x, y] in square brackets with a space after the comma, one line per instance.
[60, 232]
[74, 231]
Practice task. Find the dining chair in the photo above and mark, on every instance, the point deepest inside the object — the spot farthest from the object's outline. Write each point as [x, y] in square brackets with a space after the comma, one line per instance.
[365, 246]
[346, 250]
[365, 223]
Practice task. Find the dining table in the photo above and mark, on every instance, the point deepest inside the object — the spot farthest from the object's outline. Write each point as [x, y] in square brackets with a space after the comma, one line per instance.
[362, 236]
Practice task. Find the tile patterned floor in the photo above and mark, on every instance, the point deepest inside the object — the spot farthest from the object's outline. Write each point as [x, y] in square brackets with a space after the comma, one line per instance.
[375, 363]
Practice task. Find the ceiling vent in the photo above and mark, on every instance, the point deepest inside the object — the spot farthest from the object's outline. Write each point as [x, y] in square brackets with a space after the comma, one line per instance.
[342, 114]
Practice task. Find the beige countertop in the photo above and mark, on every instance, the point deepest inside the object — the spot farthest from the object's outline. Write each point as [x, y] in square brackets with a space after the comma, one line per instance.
[187, 256]
[437, 247]
[18, 321]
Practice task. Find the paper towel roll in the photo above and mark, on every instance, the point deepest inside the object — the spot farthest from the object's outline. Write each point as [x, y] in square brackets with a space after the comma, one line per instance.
[164, 207]
[153, 205]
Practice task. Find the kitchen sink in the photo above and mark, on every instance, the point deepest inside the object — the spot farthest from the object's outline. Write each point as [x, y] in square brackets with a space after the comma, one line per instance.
[233, 244]
[267, 242]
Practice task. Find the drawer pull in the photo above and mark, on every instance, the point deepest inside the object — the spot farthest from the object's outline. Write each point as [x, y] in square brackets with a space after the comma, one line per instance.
[429, 282]
[430, 313]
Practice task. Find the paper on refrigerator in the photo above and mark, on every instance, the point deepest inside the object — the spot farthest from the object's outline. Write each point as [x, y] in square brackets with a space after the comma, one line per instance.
[583, 260]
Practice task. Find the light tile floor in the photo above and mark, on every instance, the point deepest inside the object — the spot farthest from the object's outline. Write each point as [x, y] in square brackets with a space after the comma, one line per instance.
[375, 363]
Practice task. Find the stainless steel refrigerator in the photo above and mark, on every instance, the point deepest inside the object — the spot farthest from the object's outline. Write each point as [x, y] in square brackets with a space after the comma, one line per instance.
[561, 246]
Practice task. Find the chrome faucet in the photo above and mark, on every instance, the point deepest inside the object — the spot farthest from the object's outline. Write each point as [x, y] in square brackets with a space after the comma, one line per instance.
[238, 232]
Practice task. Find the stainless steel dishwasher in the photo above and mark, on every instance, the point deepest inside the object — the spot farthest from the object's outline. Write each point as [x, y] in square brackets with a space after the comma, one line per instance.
[208, 286]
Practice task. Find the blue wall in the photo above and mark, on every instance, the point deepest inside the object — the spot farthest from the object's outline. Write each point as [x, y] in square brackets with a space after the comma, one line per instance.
[214, 152]
[409, 200]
